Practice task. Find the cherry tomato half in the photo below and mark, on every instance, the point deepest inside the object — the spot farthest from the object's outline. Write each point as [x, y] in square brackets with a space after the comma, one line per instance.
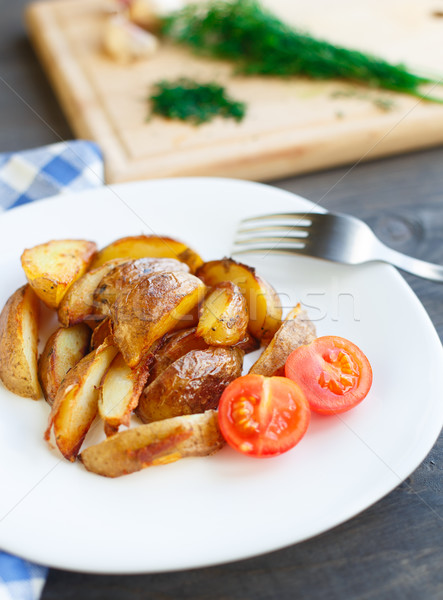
[263, 416]
[333, 372]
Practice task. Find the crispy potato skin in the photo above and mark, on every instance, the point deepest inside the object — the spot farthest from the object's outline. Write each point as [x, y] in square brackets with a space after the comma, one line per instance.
[263, 303]
[153, 444]
[51, 268]
[172, 347]
[100, 333]
[296, 330]
[175, 345]
[76, 403]
[63, 350]
[156, 305]
[18, 343]
[142, 246]
[192, 384]
[223, 316]
[128, 274]
[78, 303]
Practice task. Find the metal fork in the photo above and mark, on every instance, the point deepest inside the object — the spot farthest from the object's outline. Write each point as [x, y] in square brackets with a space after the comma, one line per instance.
[336, 237]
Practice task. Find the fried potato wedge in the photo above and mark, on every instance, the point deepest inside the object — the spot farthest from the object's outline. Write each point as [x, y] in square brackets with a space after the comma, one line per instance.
[223, 316]
[158, 304]
[100, 333]
[128, 274]
[53, 267]
[264, 305]
[78, 303]
[76, 403]
[192, 384]
[63, 350]
[120, 390]
[153, 444]
[296, 330]
[19, 343]
[142, 246]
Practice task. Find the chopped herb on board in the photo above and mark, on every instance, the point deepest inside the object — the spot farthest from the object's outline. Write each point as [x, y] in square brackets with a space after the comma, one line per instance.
[198, 103]
[259, 43]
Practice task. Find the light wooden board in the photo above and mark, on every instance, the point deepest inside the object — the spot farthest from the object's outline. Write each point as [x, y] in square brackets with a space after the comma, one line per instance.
[292, 126]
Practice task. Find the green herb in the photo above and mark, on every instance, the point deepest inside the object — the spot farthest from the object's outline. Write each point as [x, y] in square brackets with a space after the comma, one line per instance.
[244, 32]
[188, 100]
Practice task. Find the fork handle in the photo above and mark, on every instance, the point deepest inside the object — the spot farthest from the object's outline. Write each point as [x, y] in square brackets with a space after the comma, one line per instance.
[418, 267]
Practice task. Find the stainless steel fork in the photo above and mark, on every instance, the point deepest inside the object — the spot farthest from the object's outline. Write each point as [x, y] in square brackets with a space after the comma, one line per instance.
[335, 237]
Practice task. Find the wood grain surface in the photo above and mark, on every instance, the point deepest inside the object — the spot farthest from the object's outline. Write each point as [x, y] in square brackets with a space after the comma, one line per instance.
[392, 551]
[293, 125]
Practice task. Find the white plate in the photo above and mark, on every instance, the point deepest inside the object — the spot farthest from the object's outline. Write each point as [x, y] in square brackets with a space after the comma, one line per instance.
[205, 511]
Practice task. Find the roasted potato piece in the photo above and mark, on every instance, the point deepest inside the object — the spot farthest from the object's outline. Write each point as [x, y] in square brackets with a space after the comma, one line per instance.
[296, 330]
[78, 303]
[155, 444]
[142, 246]
[127, 274]
[175, 345]
[119, 392]
[75, 405]
[264, 306]
[151, 309]
[63, 350]
[53, 267]
[192, 384]
[172, 347]
[223, 316]
[100, 333]
[19, 343]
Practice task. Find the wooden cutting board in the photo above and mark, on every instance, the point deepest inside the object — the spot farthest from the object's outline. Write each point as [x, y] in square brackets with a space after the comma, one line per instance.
[292, 126]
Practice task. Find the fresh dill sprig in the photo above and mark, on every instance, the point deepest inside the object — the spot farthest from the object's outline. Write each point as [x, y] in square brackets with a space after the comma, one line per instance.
[188, 100]
[259, 43]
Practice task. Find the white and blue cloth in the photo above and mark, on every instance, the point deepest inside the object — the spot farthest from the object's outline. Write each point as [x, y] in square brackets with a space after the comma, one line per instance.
[20, 579]
[34, 174]
[25, 177]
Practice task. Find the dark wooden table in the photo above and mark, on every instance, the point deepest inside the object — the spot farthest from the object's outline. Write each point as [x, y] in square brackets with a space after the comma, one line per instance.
[394, 550]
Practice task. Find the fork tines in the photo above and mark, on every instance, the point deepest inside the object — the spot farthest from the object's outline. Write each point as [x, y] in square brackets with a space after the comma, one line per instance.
[278, 232]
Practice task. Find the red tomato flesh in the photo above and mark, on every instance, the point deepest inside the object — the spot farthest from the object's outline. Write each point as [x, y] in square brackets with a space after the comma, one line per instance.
[333, 372]
[263, 416]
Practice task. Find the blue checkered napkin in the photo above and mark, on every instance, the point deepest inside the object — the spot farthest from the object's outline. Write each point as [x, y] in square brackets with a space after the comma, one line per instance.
[35, 174]
[25, 177]
[20, 579]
